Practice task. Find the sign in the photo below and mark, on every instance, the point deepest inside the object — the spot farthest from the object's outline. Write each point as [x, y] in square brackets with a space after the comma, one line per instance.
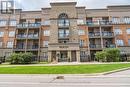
[63, 47]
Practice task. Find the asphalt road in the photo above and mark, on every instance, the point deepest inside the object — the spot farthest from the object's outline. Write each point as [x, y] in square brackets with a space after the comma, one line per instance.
[120, 79]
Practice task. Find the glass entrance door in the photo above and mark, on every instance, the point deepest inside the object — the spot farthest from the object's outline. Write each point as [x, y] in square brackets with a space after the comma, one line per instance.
[63, 56]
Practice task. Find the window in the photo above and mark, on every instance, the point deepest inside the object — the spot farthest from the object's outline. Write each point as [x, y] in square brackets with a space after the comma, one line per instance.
[13, 23]
[81, 32]
[80, 21]
[128, 31]
[63, 33]
[46, 22]
[129, 42]
[1, 34]
[82, 53]
[10, 45]
[46, 33]
[82, 43]
[3, 22]
[63, 20]
[1, 44]
[45, 54]
[120, 42]
[126, 20]
[117, 31]
[116, 20]
[11, 33]
[45, 43]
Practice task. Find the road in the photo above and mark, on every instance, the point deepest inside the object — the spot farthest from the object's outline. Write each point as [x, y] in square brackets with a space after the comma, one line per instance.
[119, 79]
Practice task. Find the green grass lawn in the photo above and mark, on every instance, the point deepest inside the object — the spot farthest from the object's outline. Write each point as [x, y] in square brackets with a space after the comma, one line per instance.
[75, 69]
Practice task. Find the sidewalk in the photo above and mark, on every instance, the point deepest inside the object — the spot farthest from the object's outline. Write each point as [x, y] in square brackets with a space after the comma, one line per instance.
[66, 63]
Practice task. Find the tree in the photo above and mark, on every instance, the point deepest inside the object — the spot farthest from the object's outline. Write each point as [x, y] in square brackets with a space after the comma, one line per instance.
[109, 55]
[112, 54]
[20, 58]
[101, 56]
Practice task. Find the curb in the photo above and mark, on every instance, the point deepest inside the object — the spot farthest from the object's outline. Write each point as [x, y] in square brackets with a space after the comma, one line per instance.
[114, 71]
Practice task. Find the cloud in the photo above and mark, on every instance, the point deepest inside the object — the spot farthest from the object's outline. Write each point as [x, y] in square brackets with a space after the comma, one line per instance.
[38, 4]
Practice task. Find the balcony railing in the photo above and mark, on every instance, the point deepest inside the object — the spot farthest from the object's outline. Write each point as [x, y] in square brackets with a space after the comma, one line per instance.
[23, 47]
[95, 46]
[29, 25]
[99, 23]
[30, 36]
[21, 36]
[32, 46]
[109, 46]
[33, 36]
[97, 34]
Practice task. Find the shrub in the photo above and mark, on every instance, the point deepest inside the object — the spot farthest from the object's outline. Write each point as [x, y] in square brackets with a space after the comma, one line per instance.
[101, 56]
[112, 54]
[20, 58]
[109, 55]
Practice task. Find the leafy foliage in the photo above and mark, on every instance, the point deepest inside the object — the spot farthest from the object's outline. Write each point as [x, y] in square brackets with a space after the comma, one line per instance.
[20, 58]
[109, 55]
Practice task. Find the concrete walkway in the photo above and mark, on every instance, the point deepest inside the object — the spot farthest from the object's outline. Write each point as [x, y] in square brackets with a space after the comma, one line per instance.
[65, 63]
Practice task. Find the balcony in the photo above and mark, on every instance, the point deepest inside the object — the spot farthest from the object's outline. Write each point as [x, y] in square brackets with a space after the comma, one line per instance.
[21, 36]
[23, 48]
[95, 47]
[94, 35]
[99, 47]
[98, 35]
[32, 47]
[109, 46]
[30, 36]
[28, 25]
[99, 23]
[107, 34]
[33, 36]
[19, 48]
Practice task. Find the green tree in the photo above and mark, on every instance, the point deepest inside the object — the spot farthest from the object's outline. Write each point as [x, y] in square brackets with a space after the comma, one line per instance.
[20, 58]
[112, 54]
[101, 56]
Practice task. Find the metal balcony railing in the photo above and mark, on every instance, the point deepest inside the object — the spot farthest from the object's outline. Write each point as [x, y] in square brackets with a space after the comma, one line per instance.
[29, 25]
[104, 34]
[94, 46]
[109, 46]
[23, 47]
[99, 23]
[29, 36]
[33, 36]
[32, 46]
[21, 36]
[108, 34]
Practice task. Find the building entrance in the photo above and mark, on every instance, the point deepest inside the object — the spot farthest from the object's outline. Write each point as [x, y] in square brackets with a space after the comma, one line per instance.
[63, 57]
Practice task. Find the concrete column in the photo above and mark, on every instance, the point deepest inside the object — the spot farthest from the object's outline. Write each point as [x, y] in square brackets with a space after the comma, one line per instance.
[69, 56]
[78, 56]
[49, 56]
[101, 37]
[57, 55]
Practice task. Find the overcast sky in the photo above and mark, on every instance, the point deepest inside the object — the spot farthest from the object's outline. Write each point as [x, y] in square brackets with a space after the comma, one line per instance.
[38, 4]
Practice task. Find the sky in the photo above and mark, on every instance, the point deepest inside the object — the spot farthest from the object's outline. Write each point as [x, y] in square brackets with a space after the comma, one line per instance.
[90, 4]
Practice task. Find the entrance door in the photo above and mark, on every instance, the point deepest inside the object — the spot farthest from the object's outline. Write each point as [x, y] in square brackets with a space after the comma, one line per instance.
[73, 56]
[63, 56]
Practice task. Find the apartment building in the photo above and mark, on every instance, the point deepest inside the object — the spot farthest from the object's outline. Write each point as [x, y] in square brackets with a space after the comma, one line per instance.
[65, 32]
